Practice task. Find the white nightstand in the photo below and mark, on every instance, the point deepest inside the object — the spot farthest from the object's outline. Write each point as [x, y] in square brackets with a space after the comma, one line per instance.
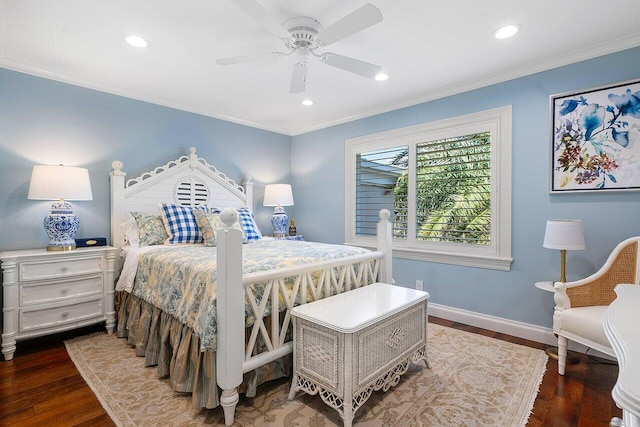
[52, 291]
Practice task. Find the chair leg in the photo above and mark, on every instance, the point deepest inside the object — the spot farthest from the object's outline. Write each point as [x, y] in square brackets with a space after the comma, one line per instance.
[562, 354]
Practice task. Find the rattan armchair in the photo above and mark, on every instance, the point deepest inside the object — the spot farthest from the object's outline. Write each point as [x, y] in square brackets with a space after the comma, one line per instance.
[580, 305]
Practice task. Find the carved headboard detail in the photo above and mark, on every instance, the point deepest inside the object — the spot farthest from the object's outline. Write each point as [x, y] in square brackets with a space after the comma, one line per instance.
[188, 180]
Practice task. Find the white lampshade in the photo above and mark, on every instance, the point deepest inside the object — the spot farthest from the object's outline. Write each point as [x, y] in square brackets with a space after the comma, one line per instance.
[278, 195]
[564, 234]
[59, 182]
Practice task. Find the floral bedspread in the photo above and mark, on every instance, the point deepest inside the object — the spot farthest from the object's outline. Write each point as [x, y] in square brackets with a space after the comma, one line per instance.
[182, 280]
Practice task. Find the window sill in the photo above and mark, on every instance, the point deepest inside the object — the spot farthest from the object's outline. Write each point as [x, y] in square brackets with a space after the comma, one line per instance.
[490, 262]
[467, 260]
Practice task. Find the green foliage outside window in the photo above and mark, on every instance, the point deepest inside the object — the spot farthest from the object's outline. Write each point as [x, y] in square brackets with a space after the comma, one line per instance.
[453, 194]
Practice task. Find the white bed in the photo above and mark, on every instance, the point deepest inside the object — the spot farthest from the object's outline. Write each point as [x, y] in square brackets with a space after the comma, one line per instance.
[240, 346]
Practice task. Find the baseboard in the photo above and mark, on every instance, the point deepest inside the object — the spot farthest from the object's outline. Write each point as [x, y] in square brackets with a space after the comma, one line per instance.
[506, 326]
[493, 323]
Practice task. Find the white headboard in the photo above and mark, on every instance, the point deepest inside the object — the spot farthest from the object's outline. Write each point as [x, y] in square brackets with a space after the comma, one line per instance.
[188, 180]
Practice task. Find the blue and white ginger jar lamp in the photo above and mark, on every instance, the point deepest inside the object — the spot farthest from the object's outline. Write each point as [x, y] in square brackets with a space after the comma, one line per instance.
[60, 183]
[278, 195]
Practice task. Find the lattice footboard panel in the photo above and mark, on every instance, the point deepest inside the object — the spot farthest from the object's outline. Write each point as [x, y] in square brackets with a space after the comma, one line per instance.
[265, 296]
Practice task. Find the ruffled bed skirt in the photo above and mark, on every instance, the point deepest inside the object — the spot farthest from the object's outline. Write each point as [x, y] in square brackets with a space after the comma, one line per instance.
[173, 347]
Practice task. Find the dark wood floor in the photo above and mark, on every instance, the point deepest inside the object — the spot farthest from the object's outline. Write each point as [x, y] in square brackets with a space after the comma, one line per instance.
[41, 386]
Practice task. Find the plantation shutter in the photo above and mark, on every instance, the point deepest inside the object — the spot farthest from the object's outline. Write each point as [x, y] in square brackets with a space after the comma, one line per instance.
[446, 183]
[453, 194]
[378, 175]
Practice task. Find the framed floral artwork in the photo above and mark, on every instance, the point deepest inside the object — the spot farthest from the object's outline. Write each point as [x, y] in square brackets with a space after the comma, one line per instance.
[595, 137]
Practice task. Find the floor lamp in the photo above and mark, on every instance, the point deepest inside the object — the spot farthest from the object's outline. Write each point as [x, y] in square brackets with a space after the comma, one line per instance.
[564, 235]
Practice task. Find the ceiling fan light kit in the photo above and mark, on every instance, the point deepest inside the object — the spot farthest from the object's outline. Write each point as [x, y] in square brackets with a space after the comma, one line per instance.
[302, 35]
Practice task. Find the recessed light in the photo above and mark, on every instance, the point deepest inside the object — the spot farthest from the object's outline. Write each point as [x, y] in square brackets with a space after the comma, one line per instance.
[307, 103]
[136, 41]
[507, 31]
[382, 76]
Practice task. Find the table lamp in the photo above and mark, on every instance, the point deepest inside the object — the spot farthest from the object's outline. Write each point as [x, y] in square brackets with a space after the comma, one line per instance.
[60, 183]
[565, 235]
[278, 195]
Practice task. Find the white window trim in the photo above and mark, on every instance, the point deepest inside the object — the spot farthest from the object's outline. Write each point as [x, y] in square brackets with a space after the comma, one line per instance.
[498, 255]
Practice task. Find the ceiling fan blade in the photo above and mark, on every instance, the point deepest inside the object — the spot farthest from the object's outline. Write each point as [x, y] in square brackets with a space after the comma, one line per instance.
[350, 64]
[298, 78]
[253, 9]
[357, 20]
[249, 58]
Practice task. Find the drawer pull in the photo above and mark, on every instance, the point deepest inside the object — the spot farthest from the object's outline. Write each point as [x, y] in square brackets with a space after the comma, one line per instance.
[64, 291]
[65, 314]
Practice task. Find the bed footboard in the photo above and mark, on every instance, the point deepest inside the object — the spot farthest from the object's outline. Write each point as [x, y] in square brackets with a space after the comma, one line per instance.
[272, 295]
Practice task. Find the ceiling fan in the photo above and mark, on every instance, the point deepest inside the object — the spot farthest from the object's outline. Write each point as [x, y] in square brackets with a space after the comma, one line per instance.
[303, 35]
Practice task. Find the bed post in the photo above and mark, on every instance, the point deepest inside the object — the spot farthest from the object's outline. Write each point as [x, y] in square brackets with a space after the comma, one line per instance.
[385, 242]
[117, 203]
[248, 191]
[230, 313]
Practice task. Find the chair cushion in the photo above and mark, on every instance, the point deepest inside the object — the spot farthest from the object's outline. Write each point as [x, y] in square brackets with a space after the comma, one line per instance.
[587, 322]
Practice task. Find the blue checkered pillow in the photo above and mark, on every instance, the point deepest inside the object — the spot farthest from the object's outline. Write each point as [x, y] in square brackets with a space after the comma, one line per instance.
[180, 223]
[249, 225]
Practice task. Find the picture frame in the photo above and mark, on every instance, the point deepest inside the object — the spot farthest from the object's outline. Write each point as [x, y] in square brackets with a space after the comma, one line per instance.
[595, 139]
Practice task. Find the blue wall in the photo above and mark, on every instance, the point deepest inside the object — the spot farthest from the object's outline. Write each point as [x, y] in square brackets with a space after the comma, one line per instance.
[318, 175]
[43, 121]
[47, 122]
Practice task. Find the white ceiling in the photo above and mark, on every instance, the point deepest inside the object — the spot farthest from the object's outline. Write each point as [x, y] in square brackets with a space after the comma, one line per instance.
[430, 48]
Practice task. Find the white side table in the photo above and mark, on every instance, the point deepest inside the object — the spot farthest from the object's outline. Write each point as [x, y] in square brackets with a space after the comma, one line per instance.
[351, 344]
[552, 352]
[545, 286]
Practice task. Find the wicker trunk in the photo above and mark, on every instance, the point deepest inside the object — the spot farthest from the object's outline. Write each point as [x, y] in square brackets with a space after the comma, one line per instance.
[358, 342]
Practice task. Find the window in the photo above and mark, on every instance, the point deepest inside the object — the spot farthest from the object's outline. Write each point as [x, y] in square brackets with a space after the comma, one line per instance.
[447, 185]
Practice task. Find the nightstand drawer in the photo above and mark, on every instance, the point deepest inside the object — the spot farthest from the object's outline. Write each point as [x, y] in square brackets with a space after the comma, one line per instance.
[71, 288]
[40, 317]
[51, 269]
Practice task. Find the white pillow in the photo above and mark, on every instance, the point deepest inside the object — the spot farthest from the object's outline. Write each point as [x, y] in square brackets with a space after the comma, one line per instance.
[130, 229]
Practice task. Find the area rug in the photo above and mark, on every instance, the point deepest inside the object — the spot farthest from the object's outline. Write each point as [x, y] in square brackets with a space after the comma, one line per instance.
[473, 381]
